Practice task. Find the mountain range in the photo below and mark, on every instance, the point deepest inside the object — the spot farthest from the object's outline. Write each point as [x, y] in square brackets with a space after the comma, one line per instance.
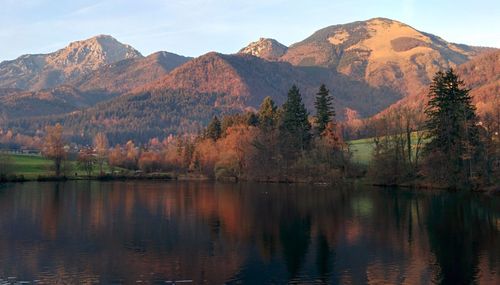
[102, 84]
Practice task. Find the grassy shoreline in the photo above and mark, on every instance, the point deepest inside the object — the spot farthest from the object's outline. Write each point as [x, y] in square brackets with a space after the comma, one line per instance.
[29, 168]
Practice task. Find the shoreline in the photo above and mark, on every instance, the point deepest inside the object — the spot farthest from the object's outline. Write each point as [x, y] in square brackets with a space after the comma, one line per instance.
[492, 189]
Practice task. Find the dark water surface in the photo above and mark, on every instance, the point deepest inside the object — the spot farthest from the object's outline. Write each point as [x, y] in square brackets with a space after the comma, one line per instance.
[205, 233]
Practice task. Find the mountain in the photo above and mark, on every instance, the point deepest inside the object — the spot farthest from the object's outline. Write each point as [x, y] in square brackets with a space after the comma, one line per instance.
[367, 65]
[269, 49]
[58, 100]
[34, 72]
[249, 79]
[381, 52]
[93, 87]
[127, 74]
[213, 84]
[481, 75]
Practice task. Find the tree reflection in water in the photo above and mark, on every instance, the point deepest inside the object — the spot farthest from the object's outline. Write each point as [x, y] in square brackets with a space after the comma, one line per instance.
[251, 233]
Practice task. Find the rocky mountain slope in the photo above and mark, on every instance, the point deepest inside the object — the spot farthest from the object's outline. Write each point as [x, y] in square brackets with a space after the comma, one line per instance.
[89, 88]
[269, 49]
[34, 72]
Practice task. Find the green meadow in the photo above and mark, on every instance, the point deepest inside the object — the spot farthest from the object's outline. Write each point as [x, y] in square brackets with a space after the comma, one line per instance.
[362, 150]
[33, 166]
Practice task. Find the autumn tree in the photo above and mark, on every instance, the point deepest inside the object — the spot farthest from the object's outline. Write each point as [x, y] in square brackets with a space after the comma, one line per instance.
[131, 156]
[150, 161]
[235, 150]
[87, 160]
[454, 148]
[53, 146]
[101, 150]
[324, 109]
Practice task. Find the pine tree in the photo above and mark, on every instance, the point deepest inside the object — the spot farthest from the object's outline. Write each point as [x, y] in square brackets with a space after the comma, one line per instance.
[267, 114]
[452, 129]
[324, 109]
[295, 126]
[214, 129]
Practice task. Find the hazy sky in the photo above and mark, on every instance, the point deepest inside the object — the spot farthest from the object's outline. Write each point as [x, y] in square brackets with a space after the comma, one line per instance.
[194, 27]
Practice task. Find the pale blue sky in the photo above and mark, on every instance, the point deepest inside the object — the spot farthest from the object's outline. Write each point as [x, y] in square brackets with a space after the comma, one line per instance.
[194, 27]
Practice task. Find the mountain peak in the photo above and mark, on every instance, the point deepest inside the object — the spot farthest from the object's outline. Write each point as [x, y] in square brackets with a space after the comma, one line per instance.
[103, 49]
[265, 48]
[381, 52]
[78, 58]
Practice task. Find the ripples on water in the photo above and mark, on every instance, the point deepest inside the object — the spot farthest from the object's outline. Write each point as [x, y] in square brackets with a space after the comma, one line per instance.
[204, 233]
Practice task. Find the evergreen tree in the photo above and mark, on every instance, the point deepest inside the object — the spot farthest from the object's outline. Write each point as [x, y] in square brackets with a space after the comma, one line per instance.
[324, 109]
[454, 145]
[214, 129]
[252, 119]
[267, 114]
[295, 127]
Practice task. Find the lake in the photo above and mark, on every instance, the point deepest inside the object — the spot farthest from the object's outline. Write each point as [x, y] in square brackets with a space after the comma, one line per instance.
[211, 233]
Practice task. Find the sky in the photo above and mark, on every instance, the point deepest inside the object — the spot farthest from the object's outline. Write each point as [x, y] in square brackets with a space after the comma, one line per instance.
[195, 27]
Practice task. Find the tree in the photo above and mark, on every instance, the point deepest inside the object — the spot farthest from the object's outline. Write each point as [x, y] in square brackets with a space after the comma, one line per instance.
[490, 135]
[53, 147]
[454, 146]
[324, 109]
[5, 165]
[214, 129]
[264, 162]
[87, 160]
[267, 114]
[101, 148]
[295, 127]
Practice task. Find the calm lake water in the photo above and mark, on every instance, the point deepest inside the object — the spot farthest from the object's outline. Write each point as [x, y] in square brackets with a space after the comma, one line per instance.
[206, 233]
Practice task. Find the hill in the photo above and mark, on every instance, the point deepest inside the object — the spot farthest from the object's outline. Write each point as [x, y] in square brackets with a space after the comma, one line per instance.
[136, 116]
[481, 75]
[59, 100]
[249, 79]
[125, 75]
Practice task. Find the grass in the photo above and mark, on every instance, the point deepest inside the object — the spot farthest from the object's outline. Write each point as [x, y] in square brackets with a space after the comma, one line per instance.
[362, 150]
[33, 166]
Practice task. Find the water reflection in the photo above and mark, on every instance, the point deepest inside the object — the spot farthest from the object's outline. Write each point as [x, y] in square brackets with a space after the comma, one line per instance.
[123, 232]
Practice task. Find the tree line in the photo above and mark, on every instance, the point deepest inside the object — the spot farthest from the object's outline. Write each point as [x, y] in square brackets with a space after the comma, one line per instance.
[273, 144]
